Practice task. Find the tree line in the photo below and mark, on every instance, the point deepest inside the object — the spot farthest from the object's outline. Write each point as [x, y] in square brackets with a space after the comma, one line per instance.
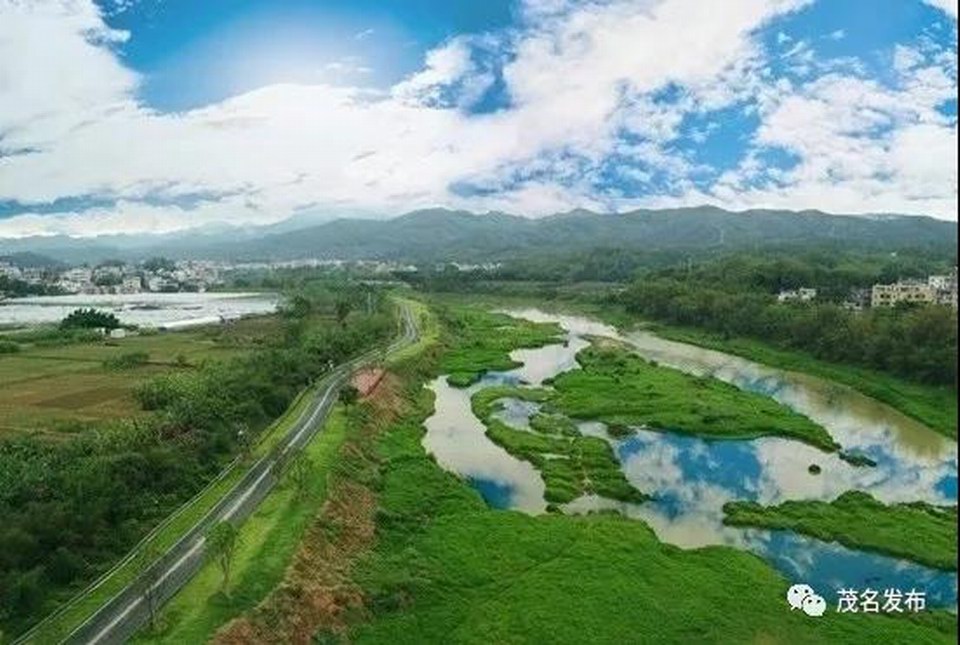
[736, 297]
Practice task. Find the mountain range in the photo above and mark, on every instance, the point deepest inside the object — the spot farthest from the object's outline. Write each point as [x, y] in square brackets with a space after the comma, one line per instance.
[445, 235]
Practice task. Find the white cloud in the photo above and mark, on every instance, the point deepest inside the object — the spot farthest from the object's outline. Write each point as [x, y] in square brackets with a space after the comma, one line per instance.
[581, 80]
[949, 7]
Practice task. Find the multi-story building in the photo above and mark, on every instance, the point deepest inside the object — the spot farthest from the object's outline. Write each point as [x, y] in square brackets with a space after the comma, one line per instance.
[945, 288]
[888, 295]
[130, 284]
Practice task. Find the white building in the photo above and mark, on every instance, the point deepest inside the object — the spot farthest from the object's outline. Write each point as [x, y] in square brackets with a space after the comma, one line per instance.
[130, 284]
[803, 294]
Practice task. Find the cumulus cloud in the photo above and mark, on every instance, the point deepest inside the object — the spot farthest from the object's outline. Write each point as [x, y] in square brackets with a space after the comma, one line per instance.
[582, 86]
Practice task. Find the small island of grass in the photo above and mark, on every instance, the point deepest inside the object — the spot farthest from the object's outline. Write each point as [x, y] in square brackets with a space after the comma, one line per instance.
[571, 465]
[920, 532]
[622, 389]
[484, 340]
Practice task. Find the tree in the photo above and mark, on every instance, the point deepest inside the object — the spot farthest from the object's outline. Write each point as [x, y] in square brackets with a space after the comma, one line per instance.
[343, 307]
[150, 576]
[222, 542]
[349, 395]
[89, 319]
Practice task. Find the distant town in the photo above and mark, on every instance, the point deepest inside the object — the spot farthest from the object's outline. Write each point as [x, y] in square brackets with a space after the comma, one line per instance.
[159, 275]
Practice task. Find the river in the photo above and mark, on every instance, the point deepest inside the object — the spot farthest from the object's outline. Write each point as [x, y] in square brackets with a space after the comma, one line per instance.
[691, 478]
[144, 309]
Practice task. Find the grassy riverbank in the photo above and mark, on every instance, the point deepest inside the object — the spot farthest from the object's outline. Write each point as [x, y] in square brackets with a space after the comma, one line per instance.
[446, 568]
[620, 388]
[481, 341]
[920, 532]
[934, 406]
[406, 551]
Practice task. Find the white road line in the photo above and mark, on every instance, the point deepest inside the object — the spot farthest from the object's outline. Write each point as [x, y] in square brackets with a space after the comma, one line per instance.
[291, 443]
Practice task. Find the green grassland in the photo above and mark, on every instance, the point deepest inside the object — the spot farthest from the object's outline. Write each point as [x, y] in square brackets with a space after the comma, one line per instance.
[934, 406]
[446, 568]
[916, 531]
[620, 388]
[267, 542]
[571, 464]
[56, 388]
[481, 341]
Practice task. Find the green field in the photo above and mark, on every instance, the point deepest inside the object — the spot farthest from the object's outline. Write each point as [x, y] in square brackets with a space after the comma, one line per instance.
[446, 568]
[61, 388]
[620, 388]
[919, 532]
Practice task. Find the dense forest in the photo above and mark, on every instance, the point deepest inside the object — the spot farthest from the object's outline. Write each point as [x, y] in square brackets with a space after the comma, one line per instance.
[71, 508]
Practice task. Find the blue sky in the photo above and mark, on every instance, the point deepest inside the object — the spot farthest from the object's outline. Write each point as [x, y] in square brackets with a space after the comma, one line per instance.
[158, 115]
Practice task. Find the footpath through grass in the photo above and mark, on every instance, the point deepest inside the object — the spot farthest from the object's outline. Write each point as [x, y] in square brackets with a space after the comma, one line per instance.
[917, 531]
[267, 541]
[620, 388]
[934, 406]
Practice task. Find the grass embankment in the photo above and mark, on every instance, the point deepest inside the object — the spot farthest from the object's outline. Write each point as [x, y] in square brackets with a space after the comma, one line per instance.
[168, 534]
[620, 388]
[917, 531]
[571, 464]
[934, 406]
[267, 541]
[481, 341]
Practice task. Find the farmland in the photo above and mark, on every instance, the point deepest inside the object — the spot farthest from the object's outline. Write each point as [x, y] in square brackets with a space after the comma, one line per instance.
[54, 389]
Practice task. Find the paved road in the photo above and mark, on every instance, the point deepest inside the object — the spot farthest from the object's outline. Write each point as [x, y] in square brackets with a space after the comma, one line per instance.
[118, 619]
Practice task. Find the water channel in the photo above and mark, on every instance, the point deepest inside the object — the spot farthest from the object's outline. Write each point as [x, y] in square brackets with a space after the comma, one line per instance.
[691, 478]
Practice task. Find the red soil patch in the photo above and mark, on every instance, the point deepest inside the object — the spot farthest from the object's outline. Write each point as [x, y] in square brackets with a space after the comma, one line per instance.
[367, 380]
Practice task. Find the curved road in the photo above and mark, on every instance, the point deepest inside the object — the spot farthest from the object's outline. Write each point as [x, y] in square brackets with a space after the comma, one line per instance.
[120, 617]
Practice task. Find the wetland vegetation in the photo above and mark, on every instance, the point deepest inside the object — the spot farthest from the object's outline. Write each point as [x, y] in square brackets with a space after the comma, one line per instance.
[915, 531]
[620, 388]
[447, 567]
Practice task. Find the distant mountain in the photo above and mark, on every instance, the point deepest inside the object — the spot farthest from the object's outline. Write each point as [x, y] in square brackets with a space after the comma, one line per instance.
[440, 235]
[29, 260]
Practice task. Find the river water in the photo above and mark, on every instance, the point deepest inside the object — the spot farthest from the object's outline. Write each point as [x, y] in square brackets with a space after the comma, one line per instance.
[691, 478]
[145, 309]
